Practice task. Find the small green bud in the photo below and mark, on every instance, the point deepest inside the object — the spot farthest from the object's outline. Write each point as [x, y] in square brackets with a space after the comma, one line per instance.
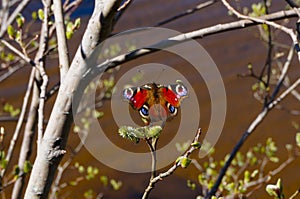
[20, 20]
[41, 14]
[69, 34]
[34, 15]
[298, 139]
[77, 23]
[11, 32]
[27, 167]
[196, 144]
[184, 161]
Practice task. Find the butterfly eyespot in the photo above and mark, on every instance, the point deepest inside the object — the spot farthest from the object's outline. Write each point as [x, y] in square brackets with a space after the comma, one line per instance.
[128, 93]
[172, 109]
[181, 90]
[144, 111]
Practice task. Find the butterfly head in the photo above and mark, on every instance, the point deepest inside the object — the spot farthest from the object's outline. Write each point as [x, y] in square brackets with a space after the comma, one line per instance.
[156, 102]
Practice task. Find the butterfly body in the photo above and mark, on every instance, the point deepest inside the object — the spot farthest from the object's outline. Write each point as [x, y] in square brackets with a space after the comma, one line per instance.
[155, 101]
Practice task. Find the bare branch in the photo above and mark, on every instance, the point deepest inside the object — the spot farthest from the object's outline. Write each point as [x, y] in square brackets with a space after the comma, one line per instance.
[41, 62]
[94, 71]
[61, 39]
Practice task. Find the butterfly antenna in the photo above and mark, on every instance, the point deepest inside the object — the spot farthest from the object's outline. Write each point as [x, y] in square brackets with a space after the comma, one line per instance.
[160, 74]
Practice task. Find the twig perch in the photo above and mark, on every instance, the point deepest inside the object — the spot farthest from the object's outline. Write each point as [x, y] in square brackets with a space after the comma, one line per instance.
[161, 176]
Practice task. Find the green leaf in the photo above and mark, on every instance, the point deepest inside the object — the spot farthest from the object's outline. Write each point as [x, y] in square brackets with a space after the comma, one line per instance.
[27, 167]
[18, 37]
[274, 159]
[254, 173]
[185, 162]
[104, 180]
[89, 194]
[275, 190]
[4, 164]
[20, 20]
[255, 87]
[196, 144]
[73, 183]
[41, 14]
[10, 57]
[116, 185]
[247, 176]
[11, 32]
[98, 114]
[77, 23]
[89, 169]
[76, 165]
[11, 110]
[298, 139]
[69, 34]
[76, 129]
[191, 185]
[81, 169]
[34, 15]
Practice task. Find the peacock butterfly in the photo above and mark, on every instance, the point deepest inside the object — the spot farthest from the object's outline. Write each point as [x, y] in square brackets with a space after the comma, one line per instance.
[156, 102]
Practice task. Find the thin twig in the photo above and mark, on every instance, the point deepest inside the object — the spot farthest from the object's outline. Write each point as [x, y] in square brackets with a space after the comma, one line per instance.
[295, 194]
[68, 8]
[292, 3]
[11, 71]
[161, 176]
[187, 12]
[124, 5]
[63, 53]
[152, 145]
[40, 56]
[19, 53]
[269, 56]
[20, 121]
[283, 73]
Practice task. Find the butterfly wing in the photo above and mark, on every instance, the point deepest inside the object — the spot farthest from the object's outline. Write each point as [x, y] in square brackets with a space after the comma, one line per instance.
[137, 96]
[173, 94]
